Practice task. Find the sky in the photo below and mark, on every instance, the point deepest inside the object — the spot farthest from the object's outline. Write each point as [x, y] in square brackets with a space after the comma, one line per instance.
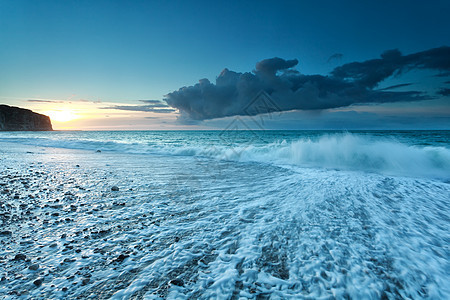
[129, 65]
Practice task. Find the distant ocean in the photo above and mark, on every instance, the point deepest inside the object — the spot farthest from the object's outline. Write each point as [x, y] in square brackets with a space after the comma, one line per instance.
[230, 214]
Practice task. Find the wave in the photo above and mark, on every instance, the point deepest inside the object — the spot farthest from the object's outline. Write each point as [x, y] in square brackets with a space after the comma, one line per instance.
[332, 151]
[359, 153]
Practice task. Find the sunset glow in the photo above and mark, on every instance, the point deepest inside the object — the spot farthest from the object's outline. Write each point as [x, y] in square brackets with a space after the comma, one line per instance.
[61, 115]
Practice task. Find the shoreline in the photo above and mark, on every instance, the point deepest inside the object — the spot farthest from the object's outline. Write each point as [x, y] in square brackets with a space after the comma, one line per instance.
[185, 227]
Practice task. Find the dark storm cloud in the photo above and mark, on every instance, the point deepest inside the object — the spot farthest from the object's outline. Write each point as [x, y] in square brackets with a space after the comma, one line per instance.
[288, 89]
[272, 65]
[371, 72]
[444, 92]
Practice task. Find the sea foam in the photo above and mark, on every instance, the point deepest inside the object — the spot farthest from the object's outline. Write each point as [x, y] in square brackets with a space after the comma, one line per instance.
[341, 151]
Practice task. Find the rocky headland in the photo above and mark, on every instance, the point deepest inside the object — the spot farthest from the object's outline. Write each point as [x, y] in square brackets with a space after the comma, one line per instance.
[20, 119]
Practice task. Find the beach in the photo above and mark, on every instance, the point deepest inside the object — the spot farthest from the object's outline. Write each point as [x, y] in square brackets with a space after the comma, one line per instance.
[91, 219]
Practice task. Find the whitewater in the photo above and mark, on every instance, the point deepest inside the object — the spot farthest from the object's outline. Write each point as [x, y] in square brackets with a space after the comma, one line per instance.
[225, 214]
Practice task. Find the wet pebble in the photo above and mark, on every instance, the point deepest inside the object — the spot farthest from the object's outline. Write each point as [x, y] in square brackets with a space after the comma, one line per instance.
[177, 282]
[38, 282]
[121, 258]
[20, 256]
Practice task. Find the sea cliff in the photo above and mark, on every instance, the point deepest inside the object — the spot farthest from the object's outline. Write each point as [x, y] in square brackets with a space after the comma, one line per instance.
[20, 119]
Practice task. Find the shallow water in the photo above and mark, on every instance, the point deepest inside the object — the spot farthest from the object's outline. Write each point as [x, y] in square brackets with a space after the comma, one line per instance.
[202, 225]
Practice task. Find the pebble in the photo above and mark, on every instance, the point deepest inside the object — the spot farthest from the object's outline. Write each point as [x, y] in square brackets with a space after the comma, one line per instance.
[177, 282]
[85, 281]
[38, 282]
[121, 257]
[115, 188]
[20, 256]
[5, 232]
[34, 267]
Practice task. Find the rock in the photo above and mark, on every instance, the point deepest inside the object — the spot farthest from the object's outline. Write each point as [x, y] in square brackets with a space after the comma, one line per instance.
[177, 282]
[5, 232]
[85, 281]
[34, 267]
[38, 282]
[98, 151]
[77, 166]
[115, 188]
[19, 119]
[20, 256]
[121, 258]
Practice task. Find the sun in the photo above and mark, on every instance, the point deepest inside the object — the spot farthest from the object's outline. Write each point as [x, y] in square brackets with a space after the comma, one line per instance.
[61, 115]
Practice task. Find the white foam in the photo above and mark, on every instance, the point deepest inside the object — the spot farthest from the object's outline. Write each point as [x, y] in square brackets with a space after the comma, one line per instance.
[343, 151]
[255, 231]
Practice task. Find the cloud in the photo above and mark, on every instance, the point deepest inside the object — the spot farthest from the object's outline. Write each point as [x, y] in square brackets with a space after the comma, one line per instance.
[151, 101]
[155, 103]
[286, 89]
[45, 101]
[444, 92]
[395, 86]
[272, 65]
[371, 72]
[156, 106]
[143, 108]
[443, 74]
[336, 56]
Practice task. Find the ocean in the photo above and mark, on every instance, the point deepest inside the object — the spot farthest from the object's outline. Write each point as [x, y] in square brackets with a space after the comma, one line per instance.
[225, 214]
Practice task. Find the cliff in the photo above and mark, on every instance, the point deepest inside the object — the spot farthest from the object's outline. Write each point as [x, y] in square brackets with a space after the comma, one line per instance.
[20, 119]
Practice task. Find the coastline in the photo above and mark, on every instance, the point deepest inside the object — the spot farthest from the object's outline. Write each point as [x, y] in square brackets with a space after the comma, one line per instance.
[182, 226]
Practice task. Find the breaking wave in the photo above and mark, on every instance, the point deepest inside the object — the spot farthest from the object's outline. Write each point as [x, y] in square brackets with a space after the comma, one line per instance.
[351, 152]
[344, 151]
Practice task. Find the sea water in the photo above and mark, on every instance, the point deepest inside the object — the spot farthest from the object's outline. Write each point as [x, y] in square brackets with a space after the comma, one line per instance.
[230, 214]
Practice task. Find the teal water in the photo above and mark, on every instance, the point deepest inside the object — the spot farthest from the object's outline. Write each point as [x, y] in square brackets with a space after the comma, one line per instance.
[226, 214]
[412, 153]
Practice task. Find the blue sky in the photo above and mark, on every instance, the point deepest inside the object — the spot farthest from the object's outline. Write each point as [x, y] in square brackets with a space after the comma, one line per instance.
[120, 52]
